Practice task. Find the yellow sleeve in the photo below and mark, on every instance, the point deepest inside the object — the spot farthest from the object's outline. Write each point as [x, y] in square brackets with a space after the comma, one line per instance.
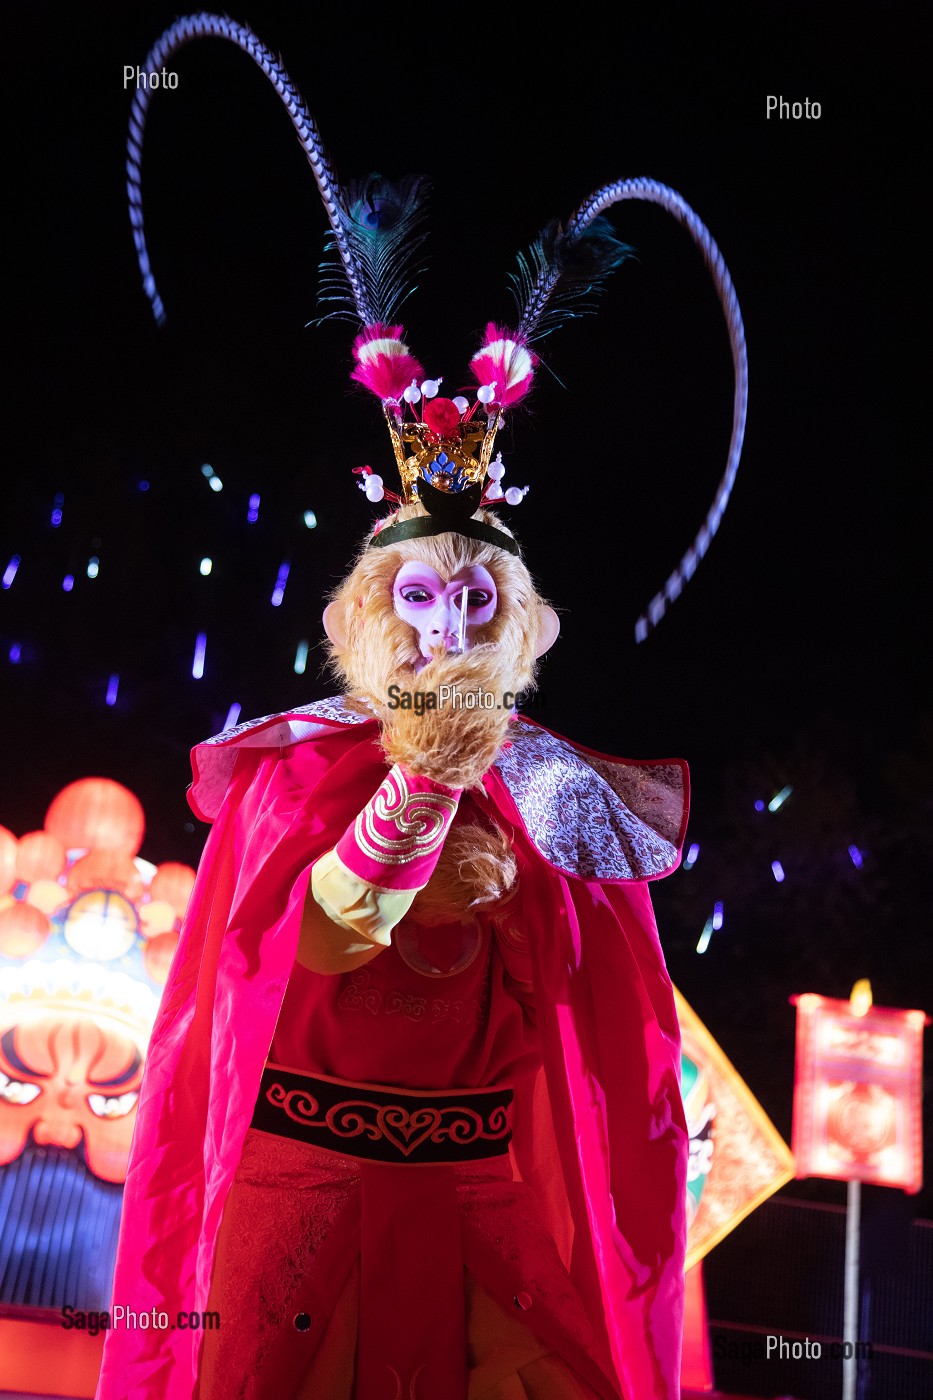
[346, 921]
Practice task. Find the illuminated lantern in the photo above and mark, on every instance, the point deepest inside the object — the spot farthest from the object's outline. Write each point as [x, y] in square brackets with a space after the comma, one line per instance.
[47, 895]
[23, 929]
[158, 955]
[737, 1157]
[157, 917]
[97, 814]
[174, 882]
[39, 856]
[8, 844]
[105, 870]
[101, 925]
[858, 1089]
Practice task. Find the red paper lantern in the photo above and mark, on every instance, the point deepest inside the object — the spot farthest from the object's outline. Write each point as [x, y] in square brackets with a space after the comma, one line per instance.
[158, 955]
[47, 895]
[39, 856]
[23, 929]
[105, 870]
[173, 882]
[97, 814]
[8, 845]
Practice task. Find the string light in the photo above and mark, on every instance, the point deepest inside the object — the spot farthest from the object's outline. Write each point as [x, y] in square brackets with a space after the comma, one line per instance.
[278, 592]
[780, 798]
[233, 715]
[68, 583]
[93, 566]
[207, 470]
[252, 514]
[717, 915]
[57, 510]
[216, 484]
[113, 685]
[15, 652]
[206, 565]
[856, 857]
[760, 805]
[690, 859]
[777, 870]
[301, 658]
[705, 936]
[200, 646]
[143, 485]
[9, 573]
[310, 519]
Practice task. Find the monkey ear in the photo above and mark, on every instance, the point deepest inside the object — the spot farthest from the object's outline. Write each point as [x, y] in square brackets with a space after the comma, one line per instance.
[548, 628]
[335, 626]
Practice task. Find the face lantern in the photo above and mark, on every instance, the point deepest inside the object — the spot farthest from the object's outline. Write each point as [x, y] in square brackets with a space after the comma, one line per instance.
[67, 1078]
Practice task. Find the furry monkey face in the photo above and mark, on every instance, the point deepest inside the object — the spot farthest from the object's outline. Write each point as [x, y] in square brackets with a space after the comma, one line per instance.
[444, 612]
[402, 603]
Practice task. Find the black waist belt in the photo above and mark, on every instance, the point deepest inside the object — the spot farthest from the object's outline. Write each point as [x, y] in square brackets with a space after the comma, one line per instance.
[383, 1124]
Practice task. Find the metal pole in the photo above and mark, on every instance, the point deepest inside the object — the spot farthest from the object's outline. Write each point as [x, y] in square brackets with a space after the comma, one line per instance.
[850, 1307]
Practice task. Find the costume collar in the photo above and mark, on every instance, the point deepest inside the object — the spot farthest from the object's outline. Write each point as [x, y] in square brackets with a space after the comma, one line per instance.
[589, 815]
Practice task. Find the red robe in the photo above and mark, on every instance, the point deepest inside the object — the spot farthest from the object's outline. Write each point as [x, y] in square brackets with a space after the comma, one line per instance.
[599, 1131]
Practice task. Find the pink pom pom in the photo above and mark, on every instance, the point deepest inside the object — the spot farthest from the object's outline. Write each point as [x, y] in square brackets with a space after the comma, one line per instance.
[384, 364]
[505, 362]
[441, 416]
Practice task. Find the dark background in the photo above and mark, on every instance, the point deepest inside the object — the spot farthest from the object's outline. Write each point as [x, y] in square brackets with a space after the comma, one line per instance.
[797, 654]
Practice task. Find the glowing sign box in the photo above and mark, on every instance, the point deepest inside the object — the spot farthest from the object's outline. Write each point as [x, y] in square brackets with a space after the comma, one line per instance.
[857, 1093]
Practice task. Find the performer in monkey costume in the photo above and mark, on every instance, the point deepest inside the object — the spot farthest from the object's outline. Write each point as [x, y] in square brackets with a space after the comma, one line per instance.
[411, 1122]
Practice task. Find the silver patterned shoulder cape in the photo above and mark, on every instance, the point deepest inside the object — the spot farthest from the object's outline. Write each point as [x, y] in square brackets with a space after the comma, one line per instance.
[589, 815]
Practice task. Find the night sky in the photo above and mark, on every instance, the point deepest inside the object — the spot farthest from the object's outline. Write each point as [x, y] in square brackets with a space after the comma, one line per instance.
[795, 657]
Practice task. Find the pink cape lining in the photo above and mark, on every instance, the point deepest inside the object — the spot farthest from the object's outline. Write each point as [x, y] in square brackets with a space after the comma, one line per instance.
[601, 1138]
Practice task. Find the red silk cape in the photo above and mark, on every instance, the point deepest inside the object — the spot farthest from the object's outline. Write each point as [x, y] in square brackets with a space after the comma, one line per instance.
[600, 1137]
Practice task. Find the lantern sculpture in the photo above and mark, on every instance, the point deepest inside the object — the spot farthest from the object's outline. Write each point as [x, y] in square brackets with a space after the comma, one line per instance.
[87, 934]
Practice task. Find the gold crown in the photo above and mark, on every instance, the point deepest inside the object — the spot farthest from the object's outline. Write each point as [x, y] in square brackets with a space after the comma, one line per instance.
[449, 461]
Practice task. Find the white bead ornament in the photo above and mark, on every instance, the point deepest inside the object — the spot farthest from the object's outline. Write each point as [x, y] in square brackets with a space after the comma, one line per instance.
[460, 403]
[515, 495]
[412, 394]
[374, 488]
[496, 470]
[430, 387]
[494, 492]
[486, 393]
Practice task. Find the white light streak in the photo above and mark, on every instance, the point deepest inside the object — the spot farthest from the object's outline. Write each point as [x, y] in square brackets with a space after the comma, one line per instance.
[301, 658]
[9, 573]
[780, 798]
[233, 715]
[206, 565]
